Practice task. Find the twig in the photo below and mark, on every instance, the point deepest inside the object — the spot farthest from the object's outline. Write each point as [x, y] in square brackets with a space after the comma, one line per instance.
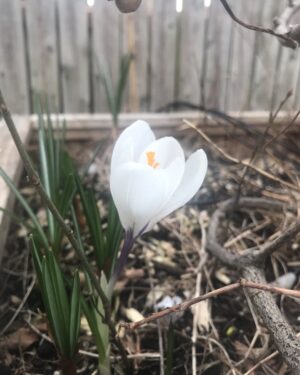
[261, 362]
[264, 360]
[273, 116]
[19, 307]
[150, 356]
[34, 179]
[252, 256]
[237, 161]
[257, 332]
[220, 346]
[250, 264]
[141, 356]
[259, 147]
[159, 329]
[291, 41]
[198, 271]
[290, 124]
[225, 289]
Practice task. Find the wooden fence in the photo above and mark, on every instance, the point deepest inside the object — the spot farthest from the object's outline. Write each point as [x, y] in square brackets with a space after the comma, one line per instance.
[59, 48]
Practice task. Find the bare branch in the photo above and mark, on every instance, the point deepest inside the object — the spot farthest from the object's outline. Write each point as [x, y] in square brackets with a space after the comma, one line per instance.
[286, 38]
[226, 289]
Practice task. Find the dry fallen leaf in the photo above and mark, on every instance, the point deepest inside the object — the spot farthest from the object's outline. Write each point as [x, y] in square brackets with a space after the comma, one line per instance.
[132, 314]
[222, 277]
[134, 273]
[23, 338]
[154, 295]
[202, 315]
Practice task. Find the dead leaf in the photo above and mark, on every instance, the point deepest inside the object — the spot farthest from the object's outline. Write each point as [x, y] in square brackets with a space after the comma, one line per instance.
[84, 325]
[23, 338]
[202, 315]
[133, 273]
[132, 314]
[221, 276]
[154, 295]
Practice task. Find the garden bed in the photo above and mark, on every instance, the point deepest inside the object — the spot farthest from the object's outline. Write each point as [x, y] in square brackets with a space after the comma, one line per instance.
[223, 335]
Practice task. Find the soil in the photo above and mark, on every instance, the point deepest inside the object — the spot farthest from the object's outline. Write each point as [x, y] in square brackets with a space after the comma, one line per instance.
[218, 335]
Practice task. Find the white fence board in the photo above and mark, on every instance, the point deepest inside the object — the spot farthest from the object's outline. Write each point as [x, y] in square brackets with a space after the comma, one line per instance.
[12, 63]
[200, 55]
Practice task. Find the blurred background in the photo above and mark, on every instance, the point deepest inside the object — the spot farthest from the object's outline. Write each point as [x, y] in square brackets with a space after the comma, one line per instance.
[181, 50]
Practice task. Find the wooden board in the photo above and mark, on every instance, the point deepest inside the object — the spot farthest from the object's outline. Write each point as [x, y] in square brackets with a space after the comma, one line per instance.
[135, 41]
[74, 55]
[163, 53]
[40, 17]
[106, 49]
[11, 164]
[199, 55]
[85, 126]
[13, 79]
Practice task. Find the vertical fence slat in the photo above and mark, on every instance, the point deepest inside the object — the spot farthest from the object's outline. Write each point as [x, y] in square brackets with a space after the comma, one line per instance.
[219, 39]
[243, 50]
[267, 52]
[107, 44]
[193, 24]
[135, 42]
[142, 53]
[13, 80]
[40, 17]
[74, 54]
[163, 53]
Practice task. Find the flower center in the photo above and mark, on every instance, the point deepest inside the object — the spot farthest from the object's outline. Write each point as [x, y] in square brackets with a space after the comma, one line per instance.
[151, 159]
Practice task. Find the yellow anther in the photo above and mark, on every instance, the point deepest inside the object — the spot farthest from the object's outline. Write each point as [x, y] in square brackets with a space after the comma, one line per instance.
[151, 159]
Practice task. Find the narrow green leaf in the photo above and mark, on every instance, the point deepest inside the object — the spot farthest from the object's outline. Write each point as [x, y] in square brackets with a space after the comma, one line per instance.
[123, 75]
[53, 310]
[93, 218]
[93, 319]
[170, 350]
[26, 207]
[45, 170]
[59, 287]
[74, 314]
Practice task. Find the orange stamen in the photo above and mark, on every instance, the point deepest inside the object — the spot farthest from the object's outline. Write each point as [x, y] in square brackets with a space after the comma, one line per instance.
[151, 159]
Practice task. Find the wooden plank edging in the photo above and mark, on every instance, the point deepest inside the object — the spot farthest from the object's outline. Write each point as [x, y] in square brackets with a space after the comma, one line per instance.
[87, 126]
[11, 163]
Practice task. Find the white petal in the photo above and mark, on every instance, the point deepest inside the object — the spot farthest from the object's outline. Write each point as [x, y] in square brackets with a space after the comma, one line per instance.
[131, 143]
[139, 192]
[194, 173]
[165, 149]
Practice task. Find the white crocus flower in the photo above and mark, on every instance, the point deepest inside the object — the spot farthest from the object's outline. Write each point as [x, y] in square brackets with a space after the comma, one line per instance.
[150, 178]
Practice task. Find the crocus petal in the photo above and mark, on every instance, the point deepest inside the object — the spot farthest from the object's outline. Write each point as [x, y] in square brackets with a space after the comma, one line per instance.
[140, 191]
[165, 150]
[194, 173]
[131, 143]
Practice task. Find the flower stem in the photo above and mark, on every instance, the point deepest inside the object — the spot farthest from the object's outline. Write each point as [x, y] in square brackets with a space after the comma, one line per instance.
[125, 250]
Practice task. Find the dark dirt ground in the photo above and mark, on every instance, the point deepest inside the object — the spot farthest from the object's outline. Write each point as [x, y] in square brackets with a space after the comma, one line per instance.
[219, 336]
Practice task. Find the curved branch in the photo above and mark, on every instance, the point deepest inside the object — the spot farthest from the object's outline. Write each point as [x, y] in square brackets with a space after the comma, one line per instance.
[250, 265]
[291, 42]
[254, 256]
[283, 335]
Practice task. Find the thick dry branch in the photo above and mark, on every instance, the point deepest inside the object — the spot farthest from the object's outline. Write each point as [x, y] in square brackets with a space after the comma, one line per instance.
[254, 256]
[250, 264]
[286, 38]
[286, 340]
